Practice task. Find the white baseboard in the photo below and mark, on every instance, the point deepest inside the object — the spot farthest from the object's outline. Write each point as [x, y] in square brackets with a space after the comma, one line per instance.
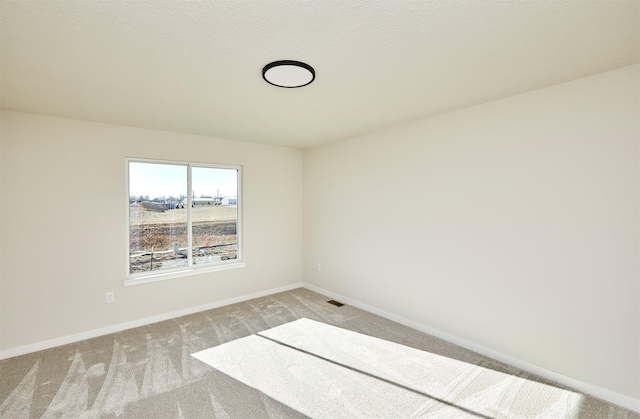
[604, 394]
[39, 346]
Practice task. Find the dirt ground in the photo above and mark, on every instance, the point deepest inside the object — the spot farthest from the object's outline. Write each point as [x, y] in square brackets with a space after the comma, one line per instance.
[165, 234]
[198, 213]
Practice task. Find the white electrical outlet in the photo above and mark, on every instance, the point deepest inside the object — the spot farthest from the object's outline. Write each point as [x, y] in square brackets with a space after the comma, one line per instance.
[110, 297]
[319, 267]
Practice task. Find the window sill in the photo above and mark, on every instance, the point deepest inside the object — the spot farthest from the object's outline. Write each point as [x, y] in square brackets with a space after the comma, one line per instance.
[163, 276]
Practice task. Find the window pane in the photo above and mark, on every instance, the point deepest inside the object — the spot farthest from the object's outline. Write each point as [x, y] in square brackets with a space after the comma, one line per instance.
[157, 218]
[214, 215]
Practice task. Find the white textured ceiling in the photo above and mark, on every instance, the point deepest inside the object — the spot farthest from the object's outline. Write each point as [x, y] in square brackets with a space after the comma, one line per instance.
[195, 66]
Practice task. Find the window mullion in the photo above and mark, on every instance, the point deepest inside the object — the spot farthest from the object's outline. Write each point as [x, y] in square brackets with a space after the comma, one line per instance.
[189, 207]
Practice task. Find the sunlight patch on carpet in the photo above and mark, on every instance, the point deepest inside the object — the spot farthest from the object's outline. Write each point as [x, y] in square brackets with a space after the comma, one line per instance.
[324, 371]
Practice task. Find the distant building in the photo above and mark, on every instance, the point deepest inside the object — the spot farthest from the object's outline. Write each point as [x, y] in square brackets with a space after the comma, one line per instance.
[230, 200]
[202, 201]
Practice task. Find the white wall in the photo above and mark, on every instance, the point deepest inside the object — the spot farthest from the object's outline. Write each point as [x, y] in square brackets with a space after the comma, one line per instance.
[513, 225]
[63, 204]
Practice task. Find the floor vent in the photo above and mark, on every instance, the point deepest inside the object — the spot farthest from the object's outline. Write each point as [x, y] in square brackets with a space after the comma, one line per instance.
[335, 303]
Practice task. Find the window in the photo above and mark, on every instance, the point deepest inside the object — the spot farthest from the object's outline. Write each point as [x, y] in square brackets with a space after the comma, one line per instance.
[183, 219]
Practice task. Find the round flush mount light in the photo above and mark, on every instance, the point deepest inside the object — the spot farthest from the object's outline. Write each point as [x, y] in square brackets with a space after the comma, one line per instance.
[288, 74]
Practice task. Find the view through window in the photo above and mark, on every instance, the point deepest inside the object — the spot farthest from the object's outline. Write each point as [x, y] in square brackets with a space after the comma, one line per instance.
[181, 216]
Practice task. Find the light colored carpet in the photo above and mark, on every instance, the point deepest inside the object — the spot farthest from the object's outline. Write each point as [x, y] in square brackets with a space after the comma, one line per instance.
[324, 371]
[148, 372]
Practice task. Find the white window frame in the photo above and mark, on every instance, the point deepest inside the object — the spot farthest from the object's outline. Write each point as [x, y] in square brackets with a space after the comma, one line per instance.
[154, 276]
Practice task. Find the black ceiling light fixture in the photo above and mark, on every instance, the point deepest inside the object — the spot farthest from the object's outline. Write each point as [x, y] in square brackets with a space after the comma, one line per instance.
[288, 74]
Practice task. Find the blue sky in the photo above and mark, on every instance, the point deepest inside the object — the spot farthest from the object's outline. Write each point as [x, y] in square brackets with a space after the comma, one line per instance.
[158, 180]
